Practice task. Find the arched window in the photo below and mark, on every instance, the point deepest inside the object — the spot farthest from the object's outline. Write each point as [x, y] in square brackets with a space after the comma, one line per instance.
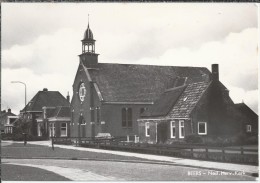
[127, 119]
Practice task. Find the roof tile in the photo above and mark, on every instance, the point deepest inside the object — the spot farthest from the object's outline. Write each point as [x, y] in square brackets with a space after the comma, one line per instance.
[142, 83]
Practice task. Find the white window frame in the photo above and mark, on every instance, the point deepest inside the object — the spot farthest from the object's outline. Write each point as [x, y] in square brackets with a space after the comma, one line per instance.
[65, 130]
[173, 126]
[147, 126]
[205, 133]
[180, 127]
[52, 130]
[39, 130]
[248, 128]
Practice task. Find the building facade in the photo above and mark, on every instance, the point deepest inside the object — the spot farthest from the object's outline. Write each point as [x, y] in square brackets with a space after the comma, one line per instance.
[7, 120]
[40, 105]
[56, 120]
[109, 98]
[200, 109]
[250, 119]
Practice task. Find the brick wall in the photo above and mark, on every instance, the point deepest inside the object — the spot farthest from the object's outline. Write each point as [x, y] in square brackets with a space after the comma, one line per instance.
[111, 114]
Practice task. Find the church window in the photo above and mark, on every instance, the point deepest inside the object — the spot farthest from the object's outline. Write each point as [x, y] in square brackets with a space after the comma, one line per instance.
[124, 117]
[127, 120]
[129, 117]
[98, 115]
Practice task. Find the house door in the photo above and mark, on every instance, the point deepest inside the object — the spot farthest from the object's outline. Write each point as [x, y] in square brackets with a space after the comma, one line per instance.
[162, 132]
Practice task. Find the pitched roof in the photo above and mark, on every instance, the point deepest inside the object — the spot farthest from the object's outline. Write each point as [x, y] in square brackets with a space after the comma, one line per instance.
[141, 83]
[48, 99]
[188, 100]
[61, 111]
[165, 103]
[244, 108]
[177, 102]
[4, 114]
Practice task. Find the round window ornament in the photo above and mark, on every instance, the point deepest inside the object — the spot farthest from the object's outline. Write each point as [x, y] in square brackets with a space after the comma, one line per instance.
[82, 92]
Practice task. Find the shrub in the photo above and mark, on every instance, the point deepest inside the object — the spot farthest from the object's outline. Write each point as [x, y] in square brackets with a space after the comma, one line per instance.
[5, 136]
[18, 137]
[193, 139]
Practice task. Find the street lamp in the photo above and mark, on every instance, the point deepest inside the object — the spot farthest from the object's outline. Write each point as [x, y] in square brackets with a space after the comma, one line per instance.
[24, 93]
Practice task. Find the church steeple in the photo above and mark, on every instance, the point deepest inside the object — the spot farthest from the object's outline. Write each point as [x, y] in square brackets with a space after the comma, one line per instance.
[88, 56]
[88, 42]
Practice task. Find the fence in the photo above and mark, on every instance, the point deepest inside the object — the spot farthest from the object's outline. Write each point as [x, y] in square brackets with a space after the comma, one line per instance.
[224, 154]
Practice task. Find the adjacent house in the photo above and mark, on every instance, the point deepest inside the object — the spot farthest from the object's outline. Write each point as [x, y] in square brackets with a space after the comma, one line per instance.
[38, 106]
[6, 120]
[56, 120]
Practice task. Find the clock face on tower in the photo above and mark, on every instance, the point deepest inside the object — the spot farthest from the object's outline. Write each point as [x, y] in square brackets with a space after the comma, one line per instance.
[82, 92]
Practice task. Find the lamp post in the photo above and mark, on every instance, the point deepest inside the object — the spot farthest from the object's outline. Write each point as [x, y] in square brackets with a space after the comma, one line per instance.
[25, 134]
[24, 93]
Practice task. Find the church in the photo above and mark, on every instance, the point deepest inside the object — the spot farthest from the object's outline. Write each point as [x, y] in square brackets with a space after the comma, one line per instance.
[124, 99]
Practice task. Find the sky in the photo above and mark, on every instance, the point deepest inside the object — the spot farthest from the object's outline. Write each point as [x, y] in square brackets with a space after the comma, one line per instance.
[41, 43]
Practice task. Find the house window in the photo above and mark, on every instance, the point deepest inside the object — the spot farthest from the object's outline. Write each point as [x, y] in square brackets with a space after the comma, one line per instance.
[52, 129]
[202, 128]
[127, 120]
[44, 113]
[181, 129]
[63, 130]
[173, 129]
[39, 130]
[248, 128]
[147, 129]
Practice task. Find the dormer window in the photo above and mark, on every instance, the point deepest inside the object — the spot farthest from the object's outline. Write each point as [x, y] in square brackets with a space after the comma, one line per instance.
[180, 81]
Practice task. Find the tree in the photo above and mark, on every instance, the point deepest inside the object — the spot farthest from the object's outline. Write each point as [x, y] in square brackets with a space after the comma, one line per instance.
[22, 125]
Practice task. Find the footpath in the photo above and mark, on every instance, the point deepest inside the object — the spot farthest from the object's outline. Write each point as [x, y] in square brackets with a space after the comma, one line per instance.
[219, 166]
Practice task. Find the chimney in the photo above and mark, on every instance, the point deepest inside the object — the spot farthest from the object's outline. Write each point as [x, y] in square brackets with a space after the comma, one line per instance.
[9, 110]
[215, 73]
[45, 89]
[68, 97]
[4, 111]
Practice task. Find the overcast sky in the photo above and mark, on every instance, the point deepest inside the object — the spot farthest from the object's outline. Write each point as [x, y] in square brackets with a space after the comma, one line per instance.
[41, 42]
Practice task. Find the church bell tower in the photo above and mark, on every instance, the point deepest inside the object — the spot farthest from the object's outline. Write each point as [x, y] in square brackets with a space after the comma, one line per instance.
[88, 56]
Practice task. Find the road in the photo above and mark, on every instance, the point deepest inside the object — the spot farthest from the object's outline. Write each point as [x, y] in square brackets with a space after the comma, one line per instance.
[87, 170]
[41, 163]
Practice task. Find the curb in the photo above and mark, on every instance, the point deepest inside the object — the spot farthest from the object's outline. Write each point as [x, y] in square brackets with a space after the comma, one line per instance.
[251, 174]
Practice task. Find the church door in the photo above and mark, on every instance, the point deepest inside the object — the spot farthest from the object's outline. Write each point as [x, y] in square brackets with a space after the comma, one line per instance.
[82, 127]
